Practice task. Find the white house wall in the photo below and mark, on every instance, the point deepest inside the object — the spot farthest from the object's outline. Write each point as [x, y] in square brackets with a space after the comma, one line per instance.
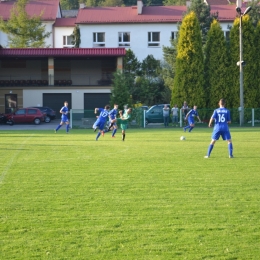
[59, 32]
[138, 37]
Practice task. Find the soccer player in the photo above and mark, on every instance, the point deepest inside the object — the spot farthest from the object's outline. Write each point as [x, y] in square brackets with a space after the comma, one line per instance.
[64, 118]
[112, 116]
[222, 119]
[101, 120]
[123, 121]
[190, 116]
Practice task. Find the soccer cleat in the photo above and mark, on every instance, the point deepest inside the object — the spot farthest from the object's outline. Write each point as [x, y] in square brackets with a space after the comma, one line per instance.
[231, 156]
[113, 136]
[95, 129]
[206, 157]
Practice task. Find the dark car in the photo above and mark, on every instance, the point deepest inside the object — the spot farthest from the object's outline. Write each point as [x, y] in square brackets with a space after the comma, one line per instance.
[28, 115]
[155, 114]
[50, 113]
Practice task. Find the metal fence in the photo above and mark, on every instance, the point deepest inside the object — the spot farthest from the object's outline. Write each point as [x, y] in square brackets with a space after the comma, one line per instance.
[80, 118]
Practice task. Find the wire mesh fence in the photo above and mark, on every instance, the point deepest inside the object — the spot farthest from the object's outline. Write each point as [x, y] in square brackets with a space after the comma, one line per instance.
[81, 118]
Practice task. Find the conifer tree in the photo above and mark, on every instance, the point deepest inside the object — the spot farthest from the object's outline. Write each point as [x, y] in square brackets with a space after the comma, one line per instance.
[217, 83]
[120, 93]
[189, 75]
[249, 70]
[24, 31]
[257, 62]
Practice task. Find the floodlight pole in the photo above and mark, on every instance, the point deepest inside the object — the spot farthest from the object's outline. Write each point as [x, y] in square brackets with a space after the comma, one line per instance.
[241, 76]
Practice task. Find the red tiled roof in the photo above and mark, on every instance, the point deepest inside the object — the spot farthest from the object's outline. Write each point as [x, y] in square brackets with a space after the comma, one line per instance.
[65, 22]
[225, 12]
[62, 52]
[34, 7]
[150, 14]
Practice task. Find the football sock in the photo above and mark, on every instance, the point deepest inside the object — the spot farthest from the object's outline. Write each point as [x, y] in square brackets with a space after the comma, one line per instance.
[123, 137]
[110, 126]
[67, 128]
[230, 149]
[191, 128]
[186, 127]
[210, 149]
[58, 127]
[114, 132]
[98, 134]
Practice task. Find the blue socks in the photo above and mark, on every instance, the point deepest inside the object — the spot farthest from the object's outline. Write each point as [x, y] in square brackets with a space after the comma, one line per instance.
[98, 134]
[58, 127]
[230, 149]
[191, 127]
[114, 132]
[67, 128]
[210, 149]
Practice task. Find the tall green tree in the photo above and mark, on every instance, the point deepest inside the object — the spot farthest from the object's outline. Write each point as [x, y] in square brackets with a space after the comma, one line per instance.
[24, 31]
[174, 2]
[204, 15]
[257, 61]
[131, 64]
[189, 75]
[250, 69]
[169, 62]
[69, 4]
[120, 93]
[255, 11]
[217, 83]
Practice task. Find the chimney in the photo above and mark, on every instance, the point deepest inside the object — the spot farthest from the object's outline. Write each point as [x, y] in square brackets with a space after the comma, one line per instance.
[139, 6]
[82, 5]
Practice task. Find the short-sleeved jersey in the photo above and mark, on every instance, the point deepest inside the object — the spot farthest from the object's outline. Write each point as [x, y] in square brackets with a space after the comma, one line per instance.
[65, 111]
[221, 117]
[125, 119]
[103, 114]
[113, 113]
[192, 113]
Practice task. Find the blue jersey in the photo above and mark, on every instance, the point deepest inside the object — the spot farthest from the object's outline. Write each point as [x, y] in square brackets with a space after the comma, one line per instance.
[103, 115]
[113, 113]
[221, 117]
[65, 111]
[192, 113]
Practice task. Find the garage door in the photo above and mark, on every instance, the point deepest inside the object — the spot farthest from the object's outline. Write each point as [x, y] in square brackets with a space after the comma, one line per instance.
[56, 101]
[92, 100]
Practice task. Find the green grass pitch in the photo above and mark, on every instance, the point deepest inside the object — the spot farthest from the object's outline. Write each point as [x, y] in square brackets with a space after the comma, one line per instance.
[150, 197]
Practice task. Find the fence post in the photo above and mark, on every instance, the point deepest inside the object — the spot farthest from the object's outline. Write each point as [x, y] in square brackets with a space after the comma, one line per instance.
[71, 113]
[253, 117]
[144, 117]
[180, 117]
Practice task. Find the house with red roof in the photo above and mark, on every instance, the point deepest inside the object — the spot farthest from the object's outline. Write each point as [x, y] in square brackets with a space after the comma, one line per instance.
[50, 10]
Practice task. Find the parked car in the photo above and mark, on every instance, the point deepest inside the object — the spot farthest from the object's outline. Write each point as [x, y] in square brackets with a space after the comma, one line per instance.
[28, 115]
[155, 114]
[50, 113]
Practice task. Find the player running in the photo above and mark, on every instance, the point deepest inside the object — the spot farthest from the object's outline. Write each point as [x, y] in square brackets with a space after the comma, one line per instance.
[101, 120]
[190, 116]
[112, 116]
[222, 119]
[123, 121]
[64, 118]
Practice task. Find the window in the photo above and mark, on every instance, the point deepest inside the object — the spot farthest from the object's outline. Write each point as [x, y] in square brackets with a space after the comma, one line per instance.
[153, 39]
[20, 112]
[227, 34]
[123, 39]
[32, 111]
[174, 35]
[98, 39]
[68, 41]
